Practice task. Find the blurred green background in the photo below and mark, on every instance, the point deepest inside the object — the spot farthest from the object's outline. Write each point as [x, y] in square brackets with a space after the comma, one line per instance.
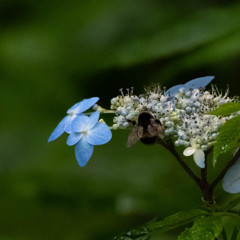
[55, 53]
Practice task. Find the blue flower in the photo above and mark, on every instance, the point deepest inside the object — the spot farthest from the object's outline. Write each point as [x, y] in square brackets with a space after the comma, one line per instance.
[86, 133]
[231, 180]
[201, 82]
[73, 112]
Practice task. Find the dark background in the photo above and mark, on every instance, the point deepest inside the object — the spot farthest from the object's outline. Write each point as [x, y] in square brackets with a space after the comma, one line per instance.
[56, 53]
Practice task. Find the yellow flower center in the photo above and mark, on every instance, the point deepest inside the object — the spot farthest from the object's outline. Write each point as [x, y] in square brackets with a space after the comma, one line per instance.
[85, 133]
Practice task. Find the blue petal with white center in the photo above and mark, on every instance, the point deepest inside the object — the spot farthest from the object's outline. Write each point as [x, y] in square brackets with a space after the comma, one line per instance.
[93, 119]
[74, 138]
[80, 124]
[84, 123]
[76, 110]
[68, 122]
[83, 152]
[87, 132]
[82, 106]
[99, 135]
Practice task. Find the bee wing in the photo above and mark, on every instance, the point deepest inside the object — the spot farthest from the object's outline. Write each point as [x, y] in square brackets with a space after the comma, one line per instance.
[135, 135]
[155, 129]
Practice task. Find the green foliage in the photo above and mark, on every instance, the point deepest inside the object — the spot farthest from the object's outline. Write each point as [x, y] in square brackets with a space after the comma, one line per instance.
[224, 235]
[174, 221]
[231, 227]
[236, 219]
[226, 109]
[232, 203]
[205, 228]
[46, 49]
[177, 220]
[234, 233]
[228, 138]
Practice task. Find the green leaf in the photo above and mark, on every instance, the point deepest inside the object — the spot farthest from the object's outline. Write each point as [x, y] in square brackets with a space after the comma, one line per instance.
[235, 223]
[174, 221]
[232, 203]
[235, 233]
[226, 109]
[230, 227]
[228, 138]
[236, 219]
[144, 40]
[179, 38]
[205, 228]
[224, 235]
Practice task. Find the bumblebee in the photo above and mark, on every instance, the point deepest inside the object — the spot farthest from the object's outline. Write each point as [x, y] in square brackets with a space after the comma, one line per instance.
[148, 129]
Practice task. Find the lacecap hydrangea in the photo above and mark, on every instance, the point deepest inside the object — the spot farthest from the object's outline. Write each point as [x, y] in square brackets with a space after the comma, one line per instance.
[181, 110]
[181, 113]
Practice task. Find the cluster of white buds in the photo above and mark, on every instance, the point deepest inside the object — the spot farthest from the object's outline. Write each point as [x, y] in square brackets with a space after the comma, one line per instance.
[182, 114]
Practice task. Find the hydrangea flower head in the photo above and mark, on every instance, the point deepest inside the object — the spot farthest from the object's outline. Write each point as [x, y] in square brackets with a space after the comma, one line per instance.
[86, 133]
[76, 110]
[181, 110]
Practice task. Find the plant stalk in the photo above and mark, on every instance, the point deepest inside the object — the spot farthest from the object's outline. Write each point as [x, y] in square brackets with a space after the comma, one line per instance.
[170, 147]
[206, 188]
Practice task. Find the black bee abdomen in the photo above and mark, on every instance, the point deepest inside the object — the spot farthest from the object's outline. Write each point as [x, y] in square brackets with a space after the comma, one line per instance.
[148, 140]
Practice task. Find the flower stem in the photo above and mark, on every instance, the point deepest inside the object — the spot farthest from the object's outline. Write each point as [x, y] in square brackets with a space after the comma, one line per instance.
[204, 173]
[206, 189]
[170, 147]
